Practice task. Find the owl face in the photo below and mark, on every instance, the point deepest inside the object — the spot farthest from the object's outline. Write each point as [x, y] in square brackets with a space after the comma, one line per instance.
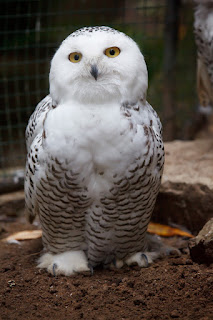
[98, 65]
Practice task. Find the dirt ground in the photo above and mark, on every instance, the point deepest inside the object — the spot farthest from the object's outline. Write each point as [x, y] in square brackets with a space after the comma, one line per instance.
[172, 288]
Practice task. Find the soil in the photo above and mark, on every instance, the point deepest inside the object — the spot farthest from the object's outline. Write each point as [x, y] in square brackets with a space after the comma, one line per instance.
[171, 288]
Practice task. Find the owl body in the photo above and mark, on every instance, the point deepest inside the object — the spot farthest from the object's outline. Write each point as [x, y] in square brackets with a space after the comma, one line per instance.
[203, 29]
[95, 159]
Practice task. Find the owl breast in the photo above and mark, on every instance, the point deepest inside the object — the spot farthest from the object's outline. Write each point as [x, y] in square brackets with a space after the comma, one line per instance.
[97, 141]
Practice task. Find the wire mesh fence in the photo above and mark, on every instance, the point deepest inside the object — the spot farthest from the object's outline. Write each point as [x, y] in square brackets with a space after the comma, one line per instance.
[31, 31]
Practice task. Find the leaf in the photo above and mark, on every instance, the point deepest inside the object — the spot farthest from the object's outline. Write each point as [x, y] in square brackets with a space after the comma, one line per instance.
[24, 235]
[166, 231]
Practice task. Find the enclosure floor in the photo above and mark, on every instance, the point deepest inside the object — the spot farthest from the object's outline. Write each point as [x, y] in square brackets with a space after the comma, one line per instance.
[171, 288]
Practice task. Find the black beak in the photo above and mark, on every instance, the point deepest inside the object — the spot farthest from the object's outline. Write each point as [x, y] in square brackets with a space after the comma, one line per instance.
[94, 71]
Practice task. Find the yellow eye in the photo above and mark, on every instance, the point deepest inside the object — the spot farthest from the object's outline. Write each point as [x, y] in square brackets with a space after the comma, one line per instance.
[112, 52]
[75, 57]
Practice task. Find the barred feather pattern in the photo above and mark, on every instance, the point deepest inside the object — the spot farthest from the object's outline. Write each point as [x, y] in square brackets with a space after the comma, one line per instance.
[108, 224]
[203, 29]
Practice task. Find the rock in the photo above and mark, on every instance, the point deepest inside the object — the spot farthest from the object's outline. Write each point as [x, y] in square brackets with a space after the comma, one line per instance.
[186, 194]
[201, 247]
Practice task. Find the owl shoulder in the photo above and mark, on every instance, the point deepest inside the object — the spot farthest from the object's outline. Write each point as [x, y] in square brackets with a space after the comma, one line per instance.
[151, 117]
[35, 122]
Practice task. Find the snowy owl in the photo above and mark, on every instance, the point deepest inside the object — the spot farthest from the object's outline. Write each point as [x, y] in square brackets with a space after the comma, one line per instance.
[95, 156]
[203, 29]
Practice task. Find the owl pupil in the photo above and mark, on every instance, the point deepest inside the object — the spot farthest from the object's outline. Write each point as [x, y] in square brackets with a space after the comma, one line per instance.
[112, 52]
[76, 57]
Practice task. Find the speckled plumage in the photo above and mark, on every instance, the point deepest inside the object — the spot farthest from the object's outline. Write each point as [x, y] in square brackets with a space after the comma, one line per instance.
[203, 29]
[95, 158]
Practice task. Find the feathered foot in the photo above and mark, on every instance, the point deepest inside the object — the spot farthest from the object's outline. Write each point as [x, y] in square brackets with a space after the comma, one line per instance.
[154, 249]
[66, 263]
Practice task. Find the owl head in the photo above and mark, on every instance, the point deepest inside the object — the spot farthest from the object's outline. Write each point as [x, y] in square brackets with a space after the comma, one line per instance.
[98, 65]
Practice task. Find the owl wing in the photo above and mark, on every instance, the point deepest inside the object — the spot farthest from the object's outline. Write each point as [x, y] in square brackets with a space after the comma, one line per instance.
[36, 120]
[33, 136]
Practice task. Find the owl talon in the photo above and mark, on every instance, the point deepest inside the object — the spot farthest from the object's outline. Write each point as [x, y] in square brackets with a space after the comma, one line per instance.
[116, 263]
[91, 269]
[54, 269]
[144, 257]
